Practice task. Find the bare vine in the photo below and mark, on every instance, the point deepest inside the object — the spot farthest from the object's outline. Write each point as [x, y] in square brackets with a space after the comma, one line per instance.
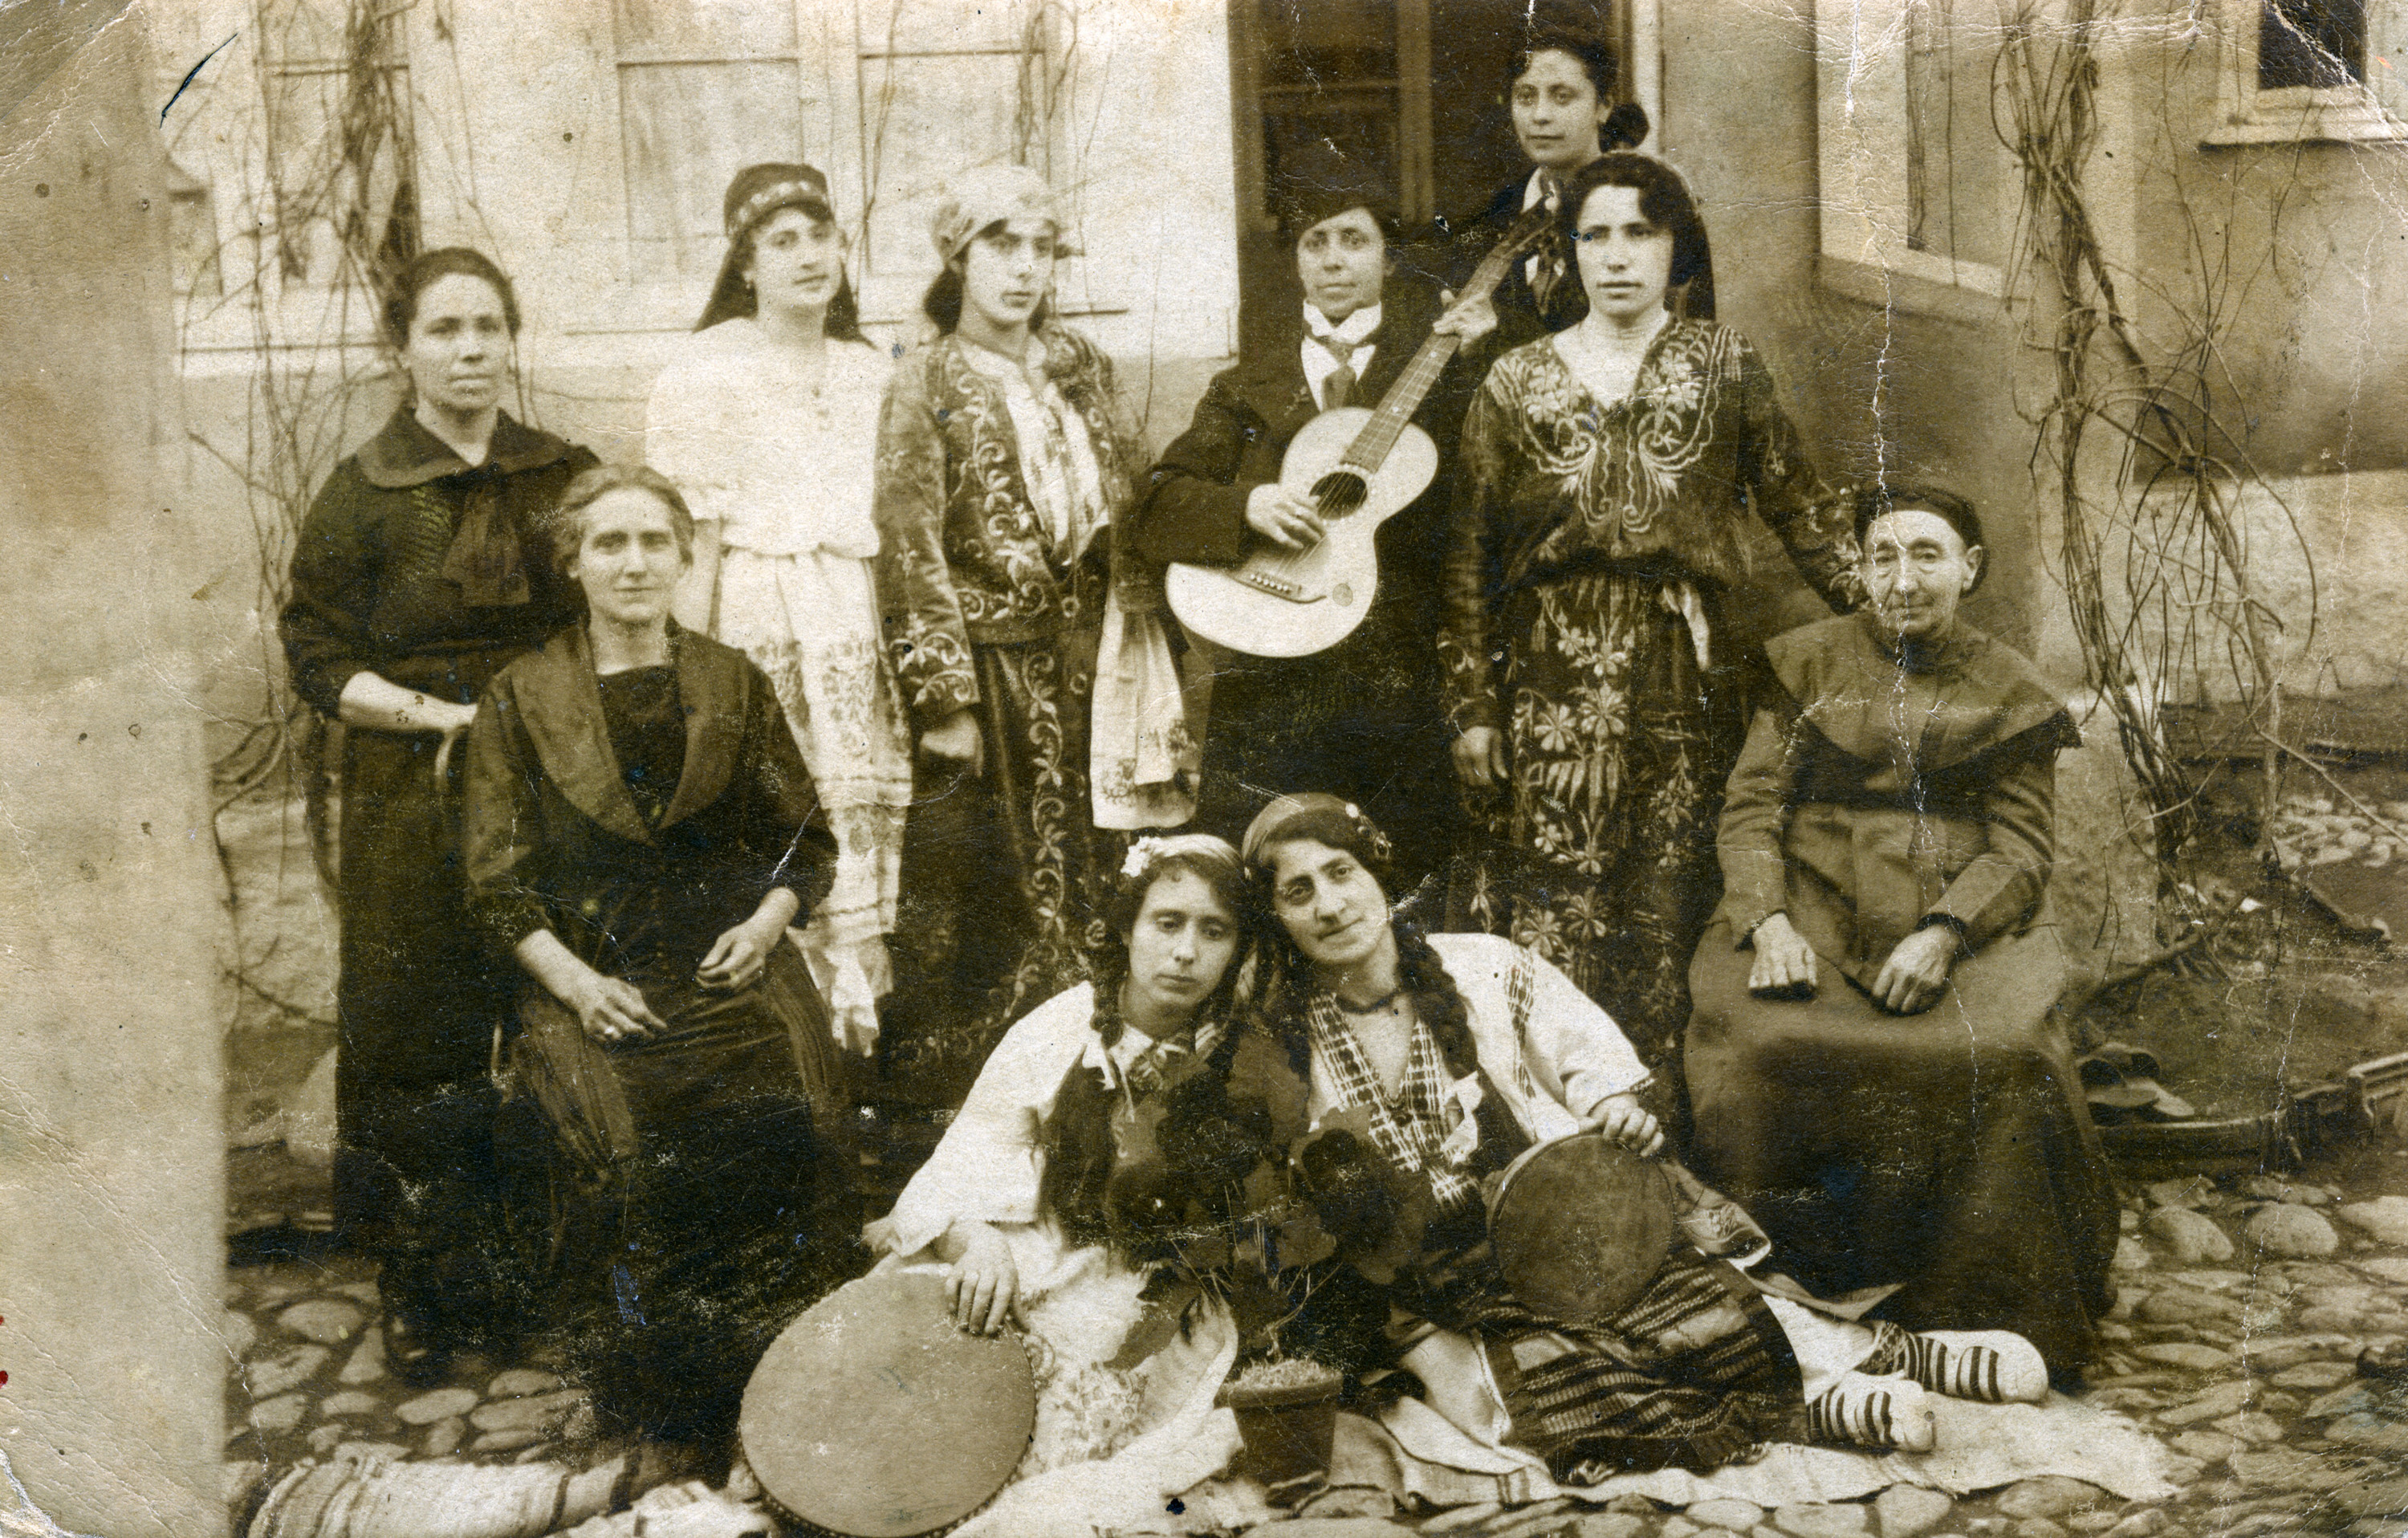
[2134, 442]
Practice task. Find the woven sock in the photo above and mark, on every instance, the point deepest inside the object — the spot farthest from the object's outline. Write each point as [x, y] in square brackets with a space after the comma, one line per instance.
[1872, 1413]
[1993, 1366]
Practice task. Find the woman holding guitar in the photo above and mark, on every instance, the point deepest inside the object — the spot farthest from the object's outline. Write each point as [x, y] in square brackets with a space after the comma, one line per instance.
[1606, 473]
[1359, 719]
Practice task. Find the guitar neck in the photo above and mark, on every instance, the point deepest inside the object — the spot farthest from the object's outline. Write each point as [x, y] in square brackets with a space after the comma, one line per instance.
[1370, 450]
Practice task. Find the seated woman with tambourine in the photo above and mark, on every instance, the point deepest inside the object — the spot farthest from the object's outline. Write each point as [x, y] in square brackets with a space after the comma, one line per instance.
[1435, 1063]
[1047, 1195]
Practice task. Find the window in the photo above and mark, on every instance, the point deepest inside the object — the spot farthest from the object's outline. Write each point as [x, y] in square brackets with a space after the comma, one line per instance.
[1917, 192]
[335, 78]
[2313, 69]
[888, 98]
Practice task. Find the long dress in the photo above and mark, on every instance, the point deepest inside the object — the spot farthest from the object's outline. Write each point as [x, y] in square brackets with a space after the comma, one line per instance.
[1691, 1372]
[1361, 720]
[996, 494]
[1949, 1151]
[1112, 1435]
[705, 1166]
[1591, 554]
[417, 567]
[785, 468]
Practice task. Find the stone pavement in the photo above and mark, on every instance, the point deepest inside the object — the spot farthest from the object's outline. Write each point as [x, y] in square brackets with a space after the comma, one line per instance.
[2244, 1310]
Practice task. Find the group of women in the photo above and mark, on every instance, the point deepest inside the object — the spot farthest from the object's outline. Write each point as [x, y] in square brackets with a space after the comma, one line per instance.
[824, 724]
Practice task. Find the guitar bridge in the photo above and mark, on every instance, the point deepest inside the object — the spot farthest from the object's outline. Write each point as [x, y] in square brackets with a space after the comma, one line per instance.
[1278, 587]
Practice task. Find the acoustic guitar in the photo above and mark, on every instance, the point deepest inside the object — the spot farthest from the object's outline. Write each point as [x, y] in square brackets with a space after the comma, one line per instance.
[1356, 467]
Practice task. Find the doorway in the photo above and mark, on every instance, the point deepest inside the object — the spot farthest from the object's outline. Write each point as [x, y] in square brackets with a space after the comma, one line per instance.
[1416, 88]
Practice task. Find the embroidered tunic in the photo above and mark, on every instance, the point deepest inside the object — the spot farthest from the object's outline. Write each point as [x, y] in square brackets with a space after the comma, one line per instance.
[1589, 560]
[996, 496]
[786, 467]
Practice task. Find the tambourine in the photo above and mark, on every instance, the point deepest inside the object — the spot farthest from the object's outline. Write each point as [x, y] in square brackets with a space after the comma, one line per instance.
[873, 1416]
[1580, 1226]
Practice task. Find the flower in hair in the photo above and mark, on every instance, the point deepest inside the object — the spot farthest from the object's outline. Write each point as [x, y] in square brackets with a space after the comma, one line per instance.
[1141, 855]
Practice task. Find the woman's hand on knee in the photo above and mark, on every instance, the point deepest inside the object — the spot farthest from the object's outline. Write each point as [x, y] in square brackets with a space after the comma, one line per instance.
[1625, 1121]
[612, 1009]
[737, 957]
[1784, 963]
[984, 1283]
[1910, 981]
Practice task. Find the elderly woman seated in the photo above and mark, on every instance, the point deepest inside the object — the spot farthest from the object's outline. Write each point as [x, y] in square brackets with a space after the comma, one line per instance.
[639, 833]
[1875, 1068]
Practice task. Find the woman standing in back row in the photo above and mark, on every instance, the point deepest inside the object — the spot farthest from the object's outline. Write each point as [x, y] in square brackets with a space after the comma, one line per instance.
[1002, 464]
[1561, 92]
[767, 421]
[1606, 471]
[422, 568]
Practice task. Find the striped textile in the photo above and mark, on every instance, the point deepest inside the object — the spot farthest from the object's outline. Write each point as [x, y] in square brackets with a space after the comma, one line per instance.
[1691, 1374]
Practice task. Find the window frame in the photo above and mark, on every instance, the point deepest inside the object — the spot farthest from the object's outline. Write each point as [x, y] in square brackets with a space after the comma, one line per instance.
[1863, 124]
[2245, 114]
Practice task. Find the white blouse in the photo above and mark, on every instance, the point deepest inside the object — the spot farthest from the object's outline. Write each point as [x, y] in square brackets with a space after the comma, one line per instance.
[991, 1163]
[783, 464]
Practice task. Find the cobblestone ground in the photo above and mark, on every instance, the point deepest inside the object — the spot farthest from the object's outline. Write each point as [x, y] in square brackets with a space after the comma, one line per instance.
[2245, 1309]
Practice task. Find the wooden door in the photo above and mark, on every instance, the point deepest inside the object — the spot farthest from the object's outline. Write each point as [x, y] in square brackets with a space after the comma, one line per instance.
[1416, 88]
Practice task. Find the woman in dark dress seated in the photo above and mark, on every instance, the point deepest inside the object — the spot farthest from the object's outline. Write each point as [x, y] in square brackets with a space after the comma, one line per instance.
[1875, 1067]
[641, 832]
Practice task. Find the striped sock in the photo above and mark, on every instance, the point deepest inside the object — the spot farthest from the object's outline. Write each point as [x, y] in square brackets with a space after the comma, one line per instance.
[1872, 1413]
[1993, 1366]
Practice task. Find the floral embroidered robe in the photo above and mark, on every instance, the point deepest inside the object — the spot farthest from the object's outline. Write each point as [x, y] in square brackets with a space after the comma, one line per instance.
[1591, 554]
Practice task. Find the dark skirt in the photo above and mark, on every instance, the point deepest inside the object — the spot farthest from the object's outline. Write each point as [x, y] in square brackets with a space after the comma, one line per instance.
[703, 1190]
[1601, 857]
[1360, 721]
[419, 997]
[1003, 874]
[1948, 1151]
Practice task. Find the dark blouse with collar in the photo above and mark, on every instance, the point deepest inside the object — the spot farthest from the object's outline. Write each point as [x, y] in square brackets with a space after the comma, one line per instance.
[429, 573]
[1880, 792]
[568, 826]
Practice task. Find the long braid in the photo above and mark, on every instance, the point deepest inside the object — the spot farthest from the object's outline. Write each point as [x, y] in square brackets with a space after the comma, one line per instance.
[1436, 998]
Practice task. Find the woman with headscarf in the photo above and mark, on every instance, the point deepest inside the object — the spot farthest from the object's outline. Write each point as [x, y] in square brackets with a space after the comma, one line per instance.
[1875, 1062]
[1003, 463]
[1607, 472]
[422, 568]
[767, 421]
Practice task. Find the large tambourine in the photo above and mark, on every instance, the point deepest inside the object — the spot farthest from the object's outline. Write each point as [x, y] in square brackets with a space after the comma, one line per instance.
[1580, 1226]
[874, 1417]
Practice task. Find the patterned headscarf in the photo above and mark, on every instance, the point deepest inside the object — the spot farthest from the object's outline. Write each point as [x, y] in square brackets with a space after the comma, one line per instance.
[989, 194]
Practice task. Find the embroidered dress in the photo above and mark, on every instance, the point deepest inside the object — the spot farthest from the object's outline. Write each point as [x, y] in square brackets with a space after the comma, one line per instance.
[997, 488]
[786, 466]
[431, 574]
[1118, 1435]
[1584, 583]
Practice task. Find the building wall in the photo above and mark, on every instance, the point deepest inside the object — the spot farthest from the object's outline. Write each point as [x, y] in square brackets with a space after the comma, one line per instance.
[2299, 251]
[1891, 387]
[110, 1166]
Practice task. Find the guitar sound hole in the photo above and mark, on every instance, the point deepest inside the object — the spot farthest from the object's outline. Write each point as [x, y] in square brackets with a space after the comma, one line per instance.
[1339, 492]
